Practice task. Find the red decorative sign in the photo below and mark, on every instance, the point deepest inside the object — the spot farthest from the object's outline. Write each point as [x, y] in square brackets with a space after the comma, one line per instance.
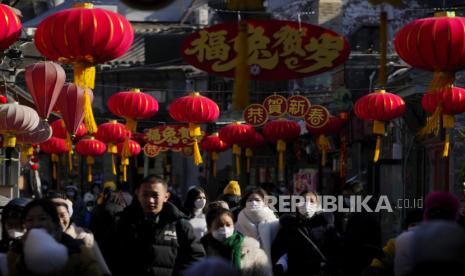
[169, 136]
[278, 50]
[151, 150]
[275, 105]
[317, 116]
[255, 115]
[297, 106]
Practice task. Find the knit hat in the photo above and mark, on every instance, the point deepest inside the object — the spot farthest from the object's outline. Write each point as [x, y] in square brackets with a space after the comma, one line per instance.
[443, 205]
[232, 188]
[65, 202]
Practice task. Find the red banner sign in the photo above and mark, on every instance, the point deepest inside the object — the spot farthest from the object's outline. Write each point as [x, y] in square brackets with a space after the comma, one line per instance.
[317, 116]
[278, 50]
[276, 105]
[255, 115]
[169, 136]
[297, 106]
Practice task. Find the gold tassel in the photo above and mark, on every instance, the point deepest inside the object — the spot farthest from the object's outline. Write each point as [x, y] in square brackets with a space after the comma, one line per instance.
[432, 123]
[9, 140]
[90, 161]
[281, 147]
[131, 125]
[70, 160]
[197, 156]
[378, 127]
[248, 154]
[88, 114]
[448, 121]
[112, 148]
[441, 80]
[84, 75]
[125, 163]
[214, 157]
[323, 145]
[236, 150]
[113, 165]
[241, 96]
[194, 130]
[377, 149]
[445, 152]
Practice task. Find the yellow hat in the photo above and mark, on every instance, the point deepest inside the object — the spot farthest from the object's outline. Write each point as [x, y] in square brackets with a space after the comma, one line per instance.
[232, 188]
[110, 185]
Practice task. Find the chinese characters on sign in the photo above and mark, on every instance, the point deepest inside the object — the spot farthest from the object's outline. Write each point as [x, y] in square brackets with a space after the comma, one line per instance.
[276, 105]
[255, 115]
[297, 106]
[151, 150]
[278, 50]
[317, 116]
[169, 136]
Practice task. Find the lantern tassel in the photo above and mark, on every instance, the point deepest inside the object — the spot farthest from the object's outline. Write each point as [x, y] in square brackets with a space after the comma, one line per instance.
[131, 125]
[377, 149]
[9, 140]
[236, 150]
[90, 161]
[241, 95]
[323, 145]
[441, 80]
[214, 157]
[84, 75]
[88, 114]
[248, 154]
[445, 152]
[194, 130]
[281, 147]
[197, 156]
[26, 151]
[432, 123]
[112, 148]
[448, 121]
[124, 164]
[113, 165]
[70, 161]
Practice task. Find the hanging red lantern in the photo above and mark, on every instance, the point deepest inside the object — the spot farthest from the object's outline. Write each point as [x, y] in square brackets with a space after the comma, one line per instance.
[236, 134]
[3, 99]
[379, 107]
[213, 144]
[332, 127]
[54, 146]
[90, 147]
[44, 81]
[112, 133]
[40, 134]
[129, 148]
[132, 106]
[147, 4]
[16, 118]
[60, 131]
[281, 131]
[255, 140]
[11, 27]
[34, 167]
[195, 110]
[84, 36]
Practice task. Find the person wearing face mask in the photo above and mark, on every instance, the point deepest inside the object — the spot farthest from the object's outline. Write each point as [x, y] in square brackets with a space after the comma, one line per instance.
[72, 192]
[223, 241]
[257, 220]
[12, 228]
[307, 240]
[194, 206]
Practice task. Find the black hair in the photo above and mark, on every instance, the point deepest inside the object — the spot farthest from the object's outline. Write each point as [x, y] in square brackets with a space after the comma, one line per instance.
[191, 196]
[47, 205]
[215, 213]
[14, 206]
[151, 179]
[253, 190]
[56, 194]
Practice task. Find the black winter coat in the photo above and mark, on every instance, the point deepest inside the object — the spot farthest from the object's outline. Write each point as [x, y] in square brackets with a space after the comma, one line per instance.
[301, 254]
[160, 245]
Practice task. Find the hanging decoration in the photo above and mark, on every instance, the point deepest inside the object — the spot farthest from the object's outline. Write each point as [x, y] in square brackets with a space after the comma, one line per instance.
[3, 99]
[112, 133]
[379, 107]
[280, 132]
[54, 146]
[331, 127]
[44, 81]
[169, 136]
[90, 148]
[60, 131]
[16, 118]
[213, 144]
[133, 149]
[26, 140]
[11, 27]
[255, 140]
[151, 151]
[147, 4]
[194, 109]
[236, 134]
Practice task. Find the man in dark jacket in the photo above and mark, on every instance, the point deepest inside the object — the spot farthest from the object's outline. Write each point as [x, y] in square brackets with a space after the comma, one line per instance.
[153, 236]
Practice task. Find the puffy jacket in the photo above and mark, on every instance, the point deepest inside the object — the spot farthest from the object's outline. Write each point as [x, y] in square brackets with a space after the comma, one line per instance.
[164, 244]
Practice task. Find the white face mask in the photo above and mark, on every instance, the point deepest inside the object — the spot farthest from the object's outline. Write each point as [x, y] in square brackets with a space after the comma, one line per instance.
[200, 203]
[222, 233]
[254, 205]
[308, 209]
[15, 233]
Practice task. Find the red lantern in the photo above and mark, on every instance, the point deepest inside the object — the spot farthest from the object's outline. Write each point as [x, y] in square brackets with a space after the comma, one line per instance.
[332, 127]
[54, 146]
[34, 167]
[236, 134]
[214, 145]
[3, 99]
[112, 133]
[255, 140]
[44, 81]
[127, 149]
[429, 102]
[379, 107]
[194, 109]
[59, 130]
[132, 106]
[90, 147]
[16, 118]
[281, 131]
[11, 27]
[84, 36]
[147, 4]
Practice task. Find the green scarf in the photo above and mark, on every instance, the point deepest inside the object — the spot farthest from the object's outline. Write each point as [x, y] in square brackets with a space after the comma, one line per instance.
[235, 241]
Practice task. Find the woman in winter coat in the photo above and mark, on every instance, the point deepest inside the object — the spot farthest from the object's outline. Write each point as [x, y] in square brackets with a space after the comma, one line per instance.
[25, 258]
[257, 220]
[292, 250]
[194, 206]
[223, 241]
[12, 227]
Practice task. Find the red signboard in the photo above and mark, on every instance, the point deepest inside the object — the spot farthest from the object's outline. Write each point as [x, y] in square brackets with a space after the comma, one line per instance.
[275, 105]
[317, 116]
[297, 106]
[151, 150]
[255, 115]
[169, 136]
[278, 50]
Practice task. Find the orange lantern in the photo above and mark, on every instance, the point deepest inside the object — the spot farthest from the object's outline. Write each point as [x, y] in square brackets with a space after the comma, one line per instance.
[214, 145]
[131, 149]
[236, 134]
[90, 147]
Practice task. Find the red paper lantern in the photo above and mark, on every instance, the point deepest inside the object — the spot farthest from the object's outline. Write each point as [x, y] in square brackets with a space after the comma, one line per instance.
[71, 104]
[451, 99]
[3, 99]
[44, 81]
[90, 147]
[84, 36]
[255, 140]
[194, 109]
[236, 134]
[59, 130]
[54, 146]
[213, 144]
[127, 149]
[11, 27]
[132, 106]
[379, 107]
[34, 167]
[111, 133]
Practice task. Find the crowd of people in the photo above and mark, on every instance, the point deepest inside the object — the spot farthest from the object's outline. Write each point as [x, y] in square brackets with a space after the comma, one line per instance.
[111, 232]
